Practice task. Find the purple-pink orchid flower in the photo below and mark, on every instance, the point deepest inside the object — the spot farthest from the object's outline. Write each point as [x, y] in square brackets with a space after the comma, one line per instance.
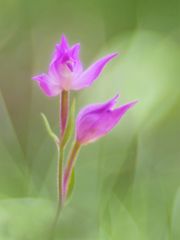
[66, 70]
[96, 120]
[66, 73]
[93, 122]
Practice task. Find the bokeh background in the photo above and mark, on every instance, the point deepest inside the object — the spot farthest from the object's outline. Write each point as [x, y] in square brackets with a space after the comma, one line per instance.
[127, 185]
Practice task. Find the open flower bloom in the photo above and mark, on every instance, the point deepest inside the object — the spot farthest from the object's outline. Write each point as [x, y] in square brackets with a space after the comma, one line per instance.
[66, 70]
[95, 121]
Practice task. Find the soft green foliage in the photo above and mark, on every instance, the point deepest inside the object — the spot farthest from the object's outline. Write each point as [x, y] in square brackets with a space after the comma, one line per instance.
[25, 218]
[127, 184]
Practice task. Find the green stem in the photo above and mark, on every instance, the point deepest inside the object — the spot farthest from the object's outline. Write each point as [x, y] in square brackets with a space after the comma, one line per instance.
[68, 170]
[60, 175]
[64, 104]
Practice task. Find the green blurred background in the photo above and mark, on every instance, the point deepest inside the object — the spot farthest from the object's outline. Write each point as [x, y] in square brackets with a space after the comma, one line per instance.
[128, 183]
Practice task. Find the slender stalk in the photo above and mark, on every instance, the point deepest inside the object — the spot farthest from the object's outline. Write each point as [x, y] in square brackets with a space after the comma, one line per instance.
[64, 106]
[69, 167]
[60, 175]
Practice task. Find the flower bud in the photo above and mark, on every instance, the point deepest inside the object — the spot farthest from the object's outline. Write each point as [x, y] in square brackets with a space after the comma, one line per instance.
[95, 121]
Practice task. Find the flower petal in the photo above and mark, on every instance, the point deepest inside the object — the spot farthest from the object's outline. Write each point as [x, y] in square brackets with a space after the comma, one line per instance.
[98, 107]
[46, 85]
[92, 73]
[115, 116]
[64, 43]
[60, 49]
[94, 124]
[74, 51]
[65, 65]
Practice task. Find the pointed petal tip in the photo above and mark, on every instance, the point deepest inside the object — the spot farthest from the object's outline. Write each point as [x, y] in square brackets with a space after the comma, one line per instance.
[125, 107]
[134, 102]
[112, 55]
[57, 46]
[64, 41]
[114, 99]
[111, 102]
[75, 49]
[63, 37]
[39, 77]
[36, 77]
[116, 54]
[116, 96]
[109, 57]
[129, 104]
[76, 44]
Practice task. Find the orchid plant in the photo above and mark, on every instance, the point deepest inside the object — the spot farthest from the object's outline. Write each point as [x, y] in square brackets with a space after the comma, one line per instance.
[66, 74]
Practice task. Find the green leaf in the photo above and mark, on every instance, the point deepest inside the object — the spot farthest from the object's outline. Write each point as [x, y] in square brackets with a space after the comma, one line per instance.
[70, 125]
[71, 185]
[49, 130]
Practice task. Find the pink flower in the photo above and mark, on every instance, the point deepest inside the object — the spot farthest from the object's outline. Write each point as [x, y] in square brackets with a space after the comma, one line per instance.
[66, 70]
[95, 121]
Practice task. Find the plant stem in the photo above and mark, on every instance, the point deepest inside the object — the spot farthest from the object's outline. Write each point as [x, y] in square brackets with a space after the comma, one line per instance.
[64, 106]
[59, 192]
[64, 109]
[60, 176]
[69, 167]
